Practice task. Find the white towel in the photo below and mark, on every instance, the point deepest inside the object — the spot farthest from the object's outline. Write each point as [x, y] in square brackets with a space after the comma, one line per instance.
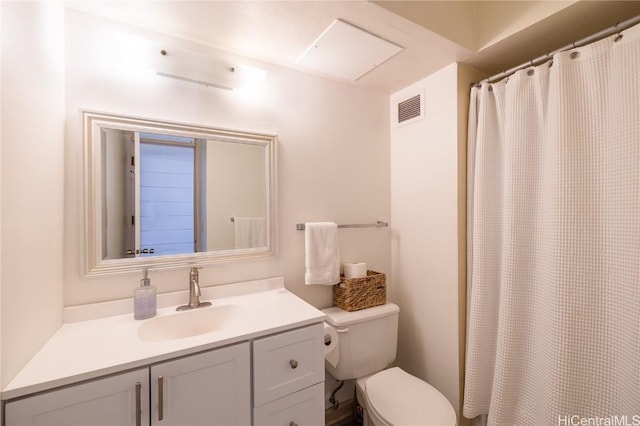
[322, 254]
[250, 232]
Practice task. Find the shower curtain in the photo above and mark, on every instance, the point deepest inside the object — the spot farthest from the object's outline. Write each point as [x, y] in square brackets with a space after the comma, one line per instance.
[553, 334]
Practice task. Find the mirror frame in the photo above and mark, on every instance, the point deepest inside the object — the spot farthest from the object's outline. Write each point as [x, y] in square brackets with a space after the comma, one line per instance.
[92, 123]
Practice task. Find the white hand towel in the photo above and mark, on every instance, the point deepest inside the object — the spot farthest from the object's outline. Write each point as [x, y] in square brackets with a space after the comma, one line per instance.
[250, 232]
[322, 254]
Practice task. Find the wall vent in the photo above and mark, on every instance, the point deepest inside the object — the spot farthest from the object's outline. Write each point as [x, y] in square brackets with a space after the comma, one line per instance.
[410, 109]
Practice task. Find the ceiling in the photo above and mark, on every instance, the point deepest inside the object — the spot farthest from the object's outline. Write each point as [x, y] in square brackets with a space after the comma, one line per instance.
[569, 24]
[278, 32]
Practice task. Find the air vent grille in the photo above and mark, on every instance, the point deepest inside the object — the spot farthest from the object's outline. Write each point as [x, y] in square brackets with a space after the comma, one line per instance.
[410, 108]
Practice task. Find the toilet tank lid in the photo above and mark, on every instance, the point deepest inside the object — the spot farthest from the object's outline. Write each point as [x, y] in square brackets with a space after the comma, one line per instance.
[340, 318]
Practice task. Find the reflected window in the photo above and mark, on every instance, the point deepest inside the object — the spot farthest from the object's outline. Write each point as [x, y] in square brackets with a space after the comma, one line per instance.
[167, 198]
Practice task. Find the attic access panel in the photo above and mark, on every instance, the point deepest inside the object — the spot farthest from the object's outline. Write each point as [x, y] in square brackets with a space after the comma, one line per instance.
[348, 52]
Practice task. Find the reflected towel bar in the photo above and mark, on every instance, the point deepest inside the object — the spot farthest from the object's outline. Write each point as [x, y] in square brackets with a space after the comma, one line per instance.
[378, 224]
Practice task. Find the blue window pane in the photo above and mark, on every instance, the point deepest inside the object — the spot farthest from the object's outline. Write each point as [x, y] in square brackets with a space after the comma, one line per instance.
[167, 198]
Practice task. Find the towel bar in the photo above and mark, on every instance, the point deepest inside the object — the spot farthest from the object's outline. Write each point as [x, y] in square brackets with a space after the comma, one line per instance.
[378, 224]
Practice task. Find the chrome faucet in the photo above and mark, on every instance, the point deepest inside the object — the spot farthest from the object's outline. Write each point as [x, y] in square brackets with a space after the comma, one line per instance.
[194, 292]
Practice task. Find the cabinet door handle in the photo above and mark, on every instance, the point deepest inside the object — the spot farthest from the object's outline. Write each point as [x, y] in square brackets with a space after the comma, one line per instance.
[138, 404]
[160, 398]
[293, 363]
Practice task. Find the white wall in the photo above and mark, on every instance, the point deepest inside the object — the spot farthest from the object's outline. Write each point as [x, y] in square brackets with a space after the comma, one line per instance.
[32, 137]
[333, 155]
[427, 212]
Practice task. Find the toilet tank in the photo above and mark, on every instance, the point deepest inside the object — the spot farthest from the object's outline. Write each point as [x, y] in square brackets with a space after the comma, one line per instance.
[367, 340]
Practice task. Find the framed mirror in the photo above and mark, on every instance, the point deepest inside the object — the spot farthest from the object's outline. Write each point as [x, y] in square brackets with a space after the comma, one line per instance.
[163, 194]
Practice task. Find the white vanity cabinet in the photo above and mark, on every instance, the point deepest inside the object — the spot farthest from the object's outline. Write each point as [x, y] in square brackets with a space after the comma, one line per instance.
[288, 378]
[212, 388]
[256, 357]
[108, 401]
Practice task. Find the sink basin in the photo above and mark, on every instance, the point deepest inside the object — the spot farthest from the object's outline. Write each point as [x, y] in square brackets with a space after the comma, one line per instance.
[180, 325]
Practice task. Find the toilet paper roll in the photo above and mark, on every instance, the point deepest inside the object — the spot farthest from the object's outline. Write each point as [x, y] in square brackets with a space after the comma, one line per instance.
[331, 352]
[355, 270]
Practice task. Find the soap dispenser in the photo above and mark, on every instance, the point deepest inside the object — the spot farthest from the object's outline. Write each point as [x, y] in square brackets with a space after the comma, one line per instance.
[144, 298]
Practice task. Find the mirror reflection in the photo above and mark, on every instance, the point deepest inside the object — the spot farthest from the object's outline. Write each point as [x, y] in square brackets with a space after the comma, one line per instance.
[161, 190]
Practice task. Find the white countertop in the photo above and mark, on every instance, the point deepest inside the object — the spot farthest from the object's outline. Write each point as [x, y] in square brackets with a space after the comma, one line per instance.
[92, 348]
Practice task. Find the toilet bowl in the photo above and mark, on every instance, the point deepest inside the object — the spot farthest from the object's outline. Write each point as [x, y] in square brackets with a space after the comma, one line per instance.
[366, 346]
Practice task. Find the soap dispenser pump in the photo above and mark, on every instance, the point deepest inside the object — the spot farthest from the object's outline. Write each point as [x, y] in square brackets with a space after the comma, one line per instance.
[144, 298]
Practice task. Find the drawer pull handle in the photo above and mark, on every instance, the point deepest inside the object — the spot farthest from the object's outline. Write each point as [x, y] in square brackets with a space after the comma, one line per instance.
[138, 404]
[160, 398]
[294, 365]
[293, 424]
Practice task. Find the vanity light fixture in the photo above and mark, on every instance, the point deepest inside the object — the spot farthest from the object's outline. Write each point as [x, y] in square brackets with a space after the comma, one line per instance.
[191, 80]
[195, 68]
[207, 70]
[220, 70]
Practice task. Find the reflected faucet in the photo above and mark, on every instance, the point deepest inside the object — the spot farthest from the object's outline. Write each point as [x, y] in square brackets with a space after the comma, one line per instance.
[194, 292]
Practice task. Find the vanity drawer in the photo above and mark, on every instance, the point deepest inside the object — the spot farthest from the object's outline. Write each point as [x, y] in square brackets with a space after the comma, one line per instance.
[287, 362]
[303, 408]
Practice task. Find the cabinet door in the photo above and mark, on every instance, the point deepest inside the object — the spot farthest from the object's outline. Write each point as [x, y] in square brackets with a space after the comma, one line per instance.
[210, 388]
[303, 408]
[118, 400]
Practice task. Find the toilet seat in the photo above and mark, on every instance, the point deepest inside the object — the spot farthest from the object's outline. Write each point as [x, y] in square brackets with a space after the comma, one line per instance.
[395, 397]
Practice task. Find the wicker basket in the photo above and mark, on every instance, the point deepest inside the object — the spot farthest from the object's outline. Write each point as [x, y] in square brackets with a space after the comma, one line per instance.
[353, 294]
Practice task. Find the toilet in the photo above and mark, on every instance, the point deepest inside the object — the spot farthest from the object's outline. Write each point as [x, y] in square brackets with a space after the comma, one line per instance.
[366, 346]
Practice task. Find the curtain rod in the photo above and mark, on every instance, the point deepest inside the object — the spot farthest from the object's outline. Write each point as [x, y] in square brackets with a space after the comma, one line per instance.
[617, 28]
[378, 224]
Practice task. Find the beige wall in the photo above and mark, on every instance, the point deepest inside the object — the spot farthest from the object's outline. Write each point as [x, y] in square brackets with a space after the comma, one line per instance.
[32, 137]
[332, 149]
[424, 208]
[428, 234]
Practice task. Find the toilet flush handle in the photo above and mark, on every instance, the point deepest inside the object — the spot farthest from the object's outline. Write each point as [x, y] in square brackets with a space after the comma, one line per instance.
[342, 330]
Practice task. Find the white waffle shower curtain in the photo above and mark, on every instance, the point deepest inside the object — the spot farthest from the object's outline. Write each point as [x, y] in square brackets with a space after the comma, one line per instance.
[553, 335]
